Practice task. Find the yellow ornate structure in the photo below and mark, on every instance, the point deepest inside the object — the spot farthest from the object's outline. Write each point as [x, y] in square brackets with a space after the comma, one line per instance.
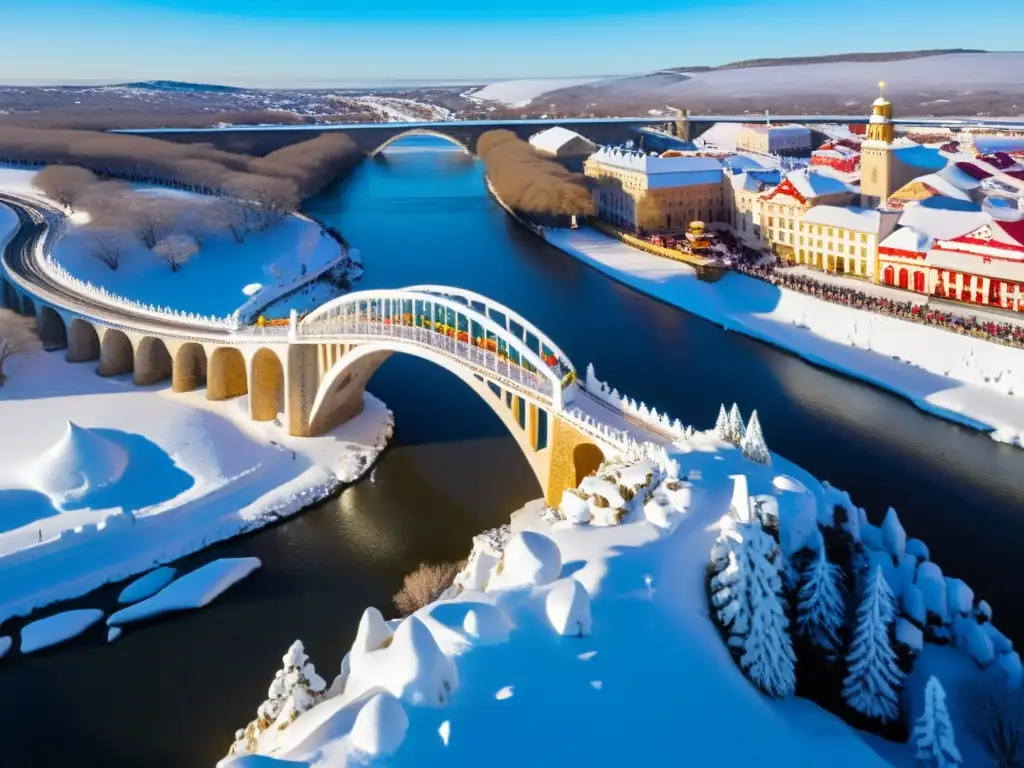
[876, 158]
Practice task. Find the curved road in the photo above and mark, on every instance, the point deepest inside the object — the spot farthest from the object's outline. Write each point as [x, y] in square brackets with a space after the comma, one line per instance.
[38, 222]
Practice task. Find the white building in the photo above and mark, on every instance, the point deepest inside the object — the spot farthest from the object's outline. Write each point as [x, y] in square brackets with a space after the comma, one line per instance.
[561, 142]
[773, 139]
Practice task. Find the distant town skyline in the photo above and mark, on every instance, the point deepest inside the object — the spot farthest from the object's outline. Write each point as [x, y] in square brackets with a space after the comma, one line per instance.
[323, 43]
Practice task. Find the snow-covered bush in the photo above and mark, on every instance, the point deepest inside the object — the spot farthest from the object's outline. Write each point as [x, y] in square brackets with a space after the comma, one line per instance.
[568, 608]
[934, 739]
[380, 726]
[425, 585]
[747, 599]
[873, 680]
[529, 559]
[295, 689]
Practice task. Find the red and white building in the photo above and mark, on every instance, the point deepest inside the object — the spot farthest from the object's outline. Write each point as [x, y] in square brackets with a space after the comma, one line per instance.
[985, 266]
[838, 157]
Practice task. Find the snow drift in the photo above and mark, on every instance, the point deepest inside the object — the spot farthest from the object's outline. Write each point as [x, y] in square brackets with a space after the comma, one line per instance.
[81, 462]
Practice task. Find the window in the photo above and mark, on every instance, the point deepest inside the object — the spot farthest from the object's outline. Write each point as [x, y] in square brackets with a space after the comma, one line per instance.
[771, 221]
[863, 253]
[842, 248]
[801, 240]
[830, 231]
[863, 237]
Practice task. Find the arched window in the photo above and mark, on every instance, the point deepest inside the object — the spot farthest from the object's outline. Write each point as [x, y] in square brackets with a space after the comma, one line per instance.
[919, 281]
[887, 275]
[904, 278]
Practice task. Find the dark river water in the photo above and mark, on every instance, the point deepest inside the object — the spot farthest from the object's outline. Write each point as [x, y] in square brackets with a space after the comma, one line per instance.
[170, 695]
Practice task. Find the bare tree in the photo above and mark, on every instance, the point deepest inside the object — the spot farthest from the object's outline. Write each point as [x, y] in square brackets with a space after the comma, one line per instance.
[993, 713]
[424, 585]
[261, 201]
[151, 217]
[175, 250]
[64, 183]
[105, 202]
[17, 338]
[108, 245]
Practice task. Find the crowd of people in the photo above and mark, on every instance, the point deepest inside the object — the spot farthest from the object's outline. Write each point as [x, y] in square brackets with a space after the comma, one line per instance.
[750, 262]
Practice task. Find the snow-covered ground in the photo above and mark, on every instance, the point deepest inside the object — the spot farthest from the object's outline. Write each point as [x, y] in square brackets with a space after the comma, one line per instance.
[966, 380]
[396, 110]
[563, 644]
[197, 472]
[519, 93]
[218, 280]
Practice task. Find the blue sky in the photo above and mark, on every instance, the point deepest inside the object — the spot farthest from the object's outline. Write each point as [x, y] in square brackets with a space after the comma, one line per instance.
[294, 42]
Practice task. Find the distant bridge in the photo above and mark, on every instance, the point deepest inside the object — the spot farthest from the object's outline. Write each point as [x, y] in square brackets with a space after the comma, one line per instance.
[373, 137]
[313, 372]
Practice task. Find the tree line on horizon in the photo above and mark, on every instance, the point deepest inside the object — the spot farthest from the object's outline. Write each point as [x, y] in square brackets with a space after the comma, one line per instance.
[539, 188]
[289, 175]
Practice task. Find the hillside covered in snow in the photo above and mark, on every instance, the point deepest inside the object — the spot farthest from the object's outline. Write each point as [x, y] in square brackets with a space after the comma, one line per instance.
[590, 642]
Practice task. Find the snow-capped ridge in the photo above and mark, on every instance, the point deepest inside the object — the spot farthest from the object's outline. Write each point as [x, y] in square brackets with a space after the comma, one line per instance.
[81, 462]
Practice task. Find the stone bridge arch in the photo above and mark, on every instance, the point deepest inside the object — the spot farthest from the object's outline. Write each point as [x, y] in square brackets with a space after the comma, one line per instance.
[83, 341]
[421, 132]
[52, 332]
[116, 353]
[153, 362]
[189, 367]
[340, 398]
[266, 385]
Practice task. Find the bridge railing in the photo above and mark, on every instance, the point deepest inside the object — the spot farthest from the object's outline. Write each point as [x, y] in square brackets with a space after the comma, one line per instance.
[473, 355]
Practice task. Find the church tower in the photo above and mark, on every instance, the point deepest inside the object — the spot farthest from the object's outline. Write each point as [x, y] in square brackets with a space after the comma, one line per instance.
[876, 154]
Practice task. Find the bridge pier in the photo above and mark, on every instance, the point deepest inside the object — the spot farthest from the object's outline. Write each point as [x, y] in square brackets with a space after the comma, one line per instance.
[83, 342]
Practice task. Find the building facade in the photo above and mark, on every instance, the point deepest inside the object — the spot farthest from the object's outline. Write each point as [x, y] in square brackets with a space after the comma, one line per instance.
[637, 191]
[773, 139]
[837, 157]
[843, 239]
[783, 207]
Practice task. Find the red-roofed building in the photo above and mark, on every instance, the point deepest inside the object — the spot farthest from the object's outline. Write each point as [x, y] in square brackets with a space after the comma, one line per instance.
[838, 157]
[984, 266]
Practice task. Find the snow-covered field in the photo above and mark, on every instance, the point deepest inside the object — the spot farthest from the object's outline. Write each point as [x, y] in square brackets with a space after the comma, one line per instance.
[519, 93]
[219, 279]
[563, 644]
[193, 472]
[959, 378]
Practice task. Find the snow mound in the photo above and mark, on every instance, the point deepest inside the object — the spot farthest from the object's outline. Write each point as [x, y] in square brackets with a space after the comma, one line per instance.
[529, 559]
[787, 483]
[57, 628]
[80, 462]
[252, 289]
[894, 538]
[5, 645]
[568, 608]
[373, 633]
[575, 508]
[193, 590]
[933, 588]
[413, 668]
[113, 633]
[380, 725]
[146, 586]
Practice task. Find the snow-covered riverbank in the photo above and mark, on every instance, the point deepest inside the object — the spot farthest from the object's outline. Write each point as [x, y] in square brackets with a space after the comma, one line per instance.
[553, 628]
[74, 517]
[959, 378]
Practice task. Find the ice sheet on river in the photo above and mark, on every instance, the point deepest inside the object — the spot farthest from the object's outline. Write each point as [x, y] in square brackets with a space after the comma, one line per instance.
[146, 586]
[193, 590]
[57, 628]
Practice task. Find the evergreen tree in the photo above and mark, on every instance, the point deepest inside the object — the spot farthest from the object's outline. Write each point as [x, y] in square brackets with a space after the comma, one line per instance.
[753, 444]
[722, 424]
[748, 597]
[296, 688]
[821, 604]
[735, 425]
[933, 732]
[873, 678]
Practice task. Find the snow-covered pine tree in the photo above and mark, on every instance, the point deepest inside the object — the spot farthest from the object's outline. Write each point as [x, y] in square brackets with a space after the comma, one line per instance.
[747, 597]
[821, 604]
[735, 425]
[722, 424]
[933, 732]
[296, 688]
[873, 679]
[297, 685]
[753, 444]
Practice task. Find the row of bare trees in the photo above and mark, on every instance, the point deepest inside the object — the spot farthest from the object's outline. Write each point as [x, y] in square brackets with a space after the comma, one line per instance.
[171, 227]
[290, 174]
[539, 188]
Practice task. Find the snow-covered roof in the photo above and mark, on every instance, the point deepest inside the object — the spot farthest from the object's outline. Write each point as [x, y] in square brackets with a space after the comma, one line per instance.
[839, 152]
[737, 163]
[959, 178]
[755, 181]
[553, 139]
[920, 157]
[941, 186]
[844, 217]
[811, 184]
[784, 128]
[908, 239]
[943, 218]
[661, 172]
